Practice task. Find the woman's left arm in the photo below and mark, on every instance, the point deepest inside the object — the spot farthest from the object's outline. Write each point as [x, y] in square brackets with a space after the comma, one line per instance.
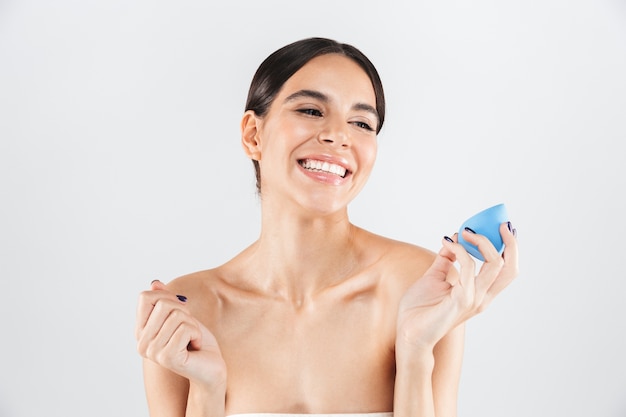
[431, 317]
[447, 373]
[427, 383]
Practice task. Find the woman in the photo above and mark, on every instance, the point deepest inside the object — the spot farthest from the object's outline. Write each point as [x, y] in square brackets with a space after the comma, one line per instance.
[318, 315]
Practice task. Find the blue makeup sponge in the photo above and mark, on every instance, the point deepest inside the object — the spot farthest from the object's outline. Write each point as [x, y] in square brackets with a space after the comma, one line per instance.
[486, 223]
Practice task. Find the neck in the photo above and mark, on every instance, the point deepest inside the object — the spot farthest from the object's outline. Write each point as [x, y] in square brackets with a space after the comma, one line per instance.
[297, 255]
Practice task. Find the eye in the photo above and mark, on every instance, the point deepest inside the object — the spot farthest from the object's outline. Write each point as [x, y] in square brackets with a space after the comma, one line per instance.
[311, 112]
[363, 125]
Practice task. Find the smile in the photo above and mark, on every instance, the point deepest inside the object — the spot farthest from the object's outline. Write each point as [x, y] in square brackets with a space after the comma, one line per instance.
[323, 166]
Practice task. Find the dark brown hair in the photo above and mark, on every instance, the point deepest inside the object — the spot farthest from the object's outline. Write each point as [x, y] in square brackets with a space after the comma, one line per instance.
[277, 68]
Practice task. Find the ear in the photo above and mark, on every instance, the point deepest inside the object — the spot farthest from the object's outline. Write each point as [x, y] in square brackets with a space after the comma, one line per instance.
[249, 135]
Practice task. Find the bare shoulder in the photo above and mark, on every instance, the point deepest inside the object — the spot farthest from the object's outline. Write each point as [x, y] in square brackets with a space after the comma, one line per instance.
[194, 282]
[201, 291]
[401, 262]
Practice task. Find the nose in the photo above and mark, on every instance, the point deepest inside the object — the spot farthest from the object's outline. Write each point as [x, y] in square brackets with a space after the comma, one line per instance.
[335, 133]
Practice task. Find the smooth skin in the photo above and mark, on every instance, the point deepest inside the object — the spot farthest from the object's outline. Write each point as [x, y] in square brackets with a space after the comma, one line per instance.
[317, 315]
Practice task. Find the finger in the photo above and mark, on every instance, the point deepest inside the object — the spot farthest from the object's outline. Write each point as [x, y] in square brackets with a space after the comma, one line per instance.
[509, 237]
[152, 323]
[452, 275]
[159, 306]
[492, 264]
[167, 337]
[510, 269]
[467, 266]
[145, 305]
[147, 301]
[444, 260]
[157, 285]
[483, 244]
[174, 354]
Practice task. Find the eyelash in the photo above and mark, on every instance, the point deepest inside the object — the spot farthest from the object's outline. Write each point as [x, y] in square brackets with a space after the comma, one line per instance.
[364, 125]
[311, 112]
[318, 113]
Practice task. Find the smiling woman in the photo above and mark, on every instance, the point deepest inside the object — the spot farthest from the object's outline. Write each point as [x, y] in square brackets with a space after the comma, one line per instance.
[317, 316]
[330, 99]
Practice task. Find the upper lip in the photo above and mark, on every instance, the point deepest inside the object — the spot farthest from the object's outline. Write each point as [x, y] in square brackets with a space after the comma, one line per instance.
[331, 159]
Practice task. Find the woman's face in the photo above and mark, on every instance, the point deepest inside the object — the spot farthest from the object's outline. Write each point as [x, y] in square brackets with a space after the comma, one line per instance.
[318, 140]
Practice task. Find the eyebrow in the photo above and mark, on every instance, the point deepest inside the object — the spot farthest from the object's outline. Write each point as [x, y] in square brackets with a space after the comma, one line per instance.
[308, 94]
[325, 99]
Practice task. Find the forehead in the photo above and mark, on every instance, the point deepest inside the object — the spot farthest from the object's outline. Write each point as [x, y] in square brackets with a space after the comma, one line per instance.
[332, 73]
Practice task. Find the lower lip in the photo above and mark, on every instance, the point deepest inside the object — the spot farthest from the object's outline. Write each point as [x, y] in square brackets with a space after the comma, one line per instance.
[324, 177]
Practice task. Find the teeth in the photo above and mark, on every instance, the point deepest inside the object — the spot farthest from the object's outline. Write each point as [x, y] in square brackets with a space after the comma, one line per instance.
[320, 166]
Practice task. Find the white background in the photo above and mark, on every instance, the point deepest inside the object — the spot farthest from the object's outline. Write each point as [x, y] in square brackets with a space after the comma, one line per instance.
[120, 163]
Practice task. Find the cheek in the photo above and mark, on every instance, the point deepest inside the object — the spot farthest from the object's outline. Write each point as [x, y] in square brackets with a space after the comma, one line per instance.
[300, 130]
[368, 154]
[288, 133]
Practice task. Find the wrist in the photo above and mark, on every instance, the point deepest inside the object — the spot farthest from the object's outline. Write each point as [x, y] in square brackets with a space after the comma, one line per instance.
[421, 362]
[414, 354]
[206, 400]
[413, 392]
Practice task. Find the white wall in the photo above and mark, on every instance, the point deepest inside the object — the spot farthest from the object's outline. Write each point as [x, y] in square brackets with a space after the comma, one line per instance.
[120, 163]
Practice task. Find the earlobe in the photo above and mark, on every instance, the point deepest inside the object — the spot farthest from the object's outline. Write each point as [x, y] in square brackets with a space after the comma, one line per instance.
[249, 135]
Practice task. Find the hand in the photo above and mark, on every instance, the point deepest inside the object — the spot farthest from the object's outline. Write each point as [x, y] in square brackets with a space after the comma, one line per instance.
[442, 299]
[169, 335]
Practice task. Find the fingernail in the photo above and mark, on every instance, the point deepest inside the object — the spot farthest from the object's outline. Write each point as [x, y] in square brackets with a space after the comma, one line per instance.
[508, 224]
[448, 239]
[470, 230]
[182, 298]
[154, 280]
[515, 232]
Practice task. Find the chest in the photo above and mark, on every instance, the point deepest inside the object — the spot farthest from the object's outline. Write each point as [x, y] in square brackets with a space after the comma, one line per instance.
[308, 358]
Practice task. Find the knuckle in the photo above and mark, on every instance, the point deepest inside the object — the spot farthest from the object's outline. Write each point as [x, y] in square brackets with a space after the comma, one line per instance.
[162, 307]
[185, 330]
[141, 349]
[499, 262]
[496, 261]
[149, 352]
[177, 314]
[163, 358]
[468, 262]
[144, 296]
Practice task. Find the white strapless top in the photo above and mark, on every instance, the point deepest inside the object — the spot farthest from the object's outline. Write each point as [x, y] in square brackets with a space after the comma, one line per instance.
[312, 415]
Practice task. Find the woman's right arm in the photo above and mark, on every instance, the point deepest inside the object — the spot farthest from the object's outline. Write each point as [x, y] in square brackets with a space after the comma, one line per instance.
[166, 391]
[184, 372]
